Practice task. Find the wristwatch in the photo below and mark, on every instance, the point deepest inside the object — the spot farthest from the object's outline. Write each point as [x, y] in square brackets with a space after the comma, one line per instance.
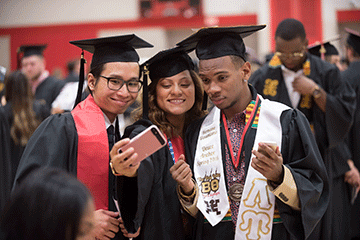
[316, 92]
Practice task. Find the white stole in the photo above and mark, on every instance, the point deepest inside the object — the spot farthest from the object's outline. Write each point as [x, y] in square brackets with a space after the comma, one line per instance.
[255, 218]
[209, 172]
[256, 210]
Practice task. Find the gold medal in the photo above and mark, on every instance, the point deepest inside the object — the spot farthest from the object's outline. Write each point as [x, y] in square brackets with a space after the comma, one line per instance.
[235, 192]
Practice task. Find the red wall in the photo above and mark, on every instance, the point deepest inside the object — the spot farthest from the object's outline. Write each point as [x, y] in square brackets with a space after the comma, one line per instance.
[57, 37]
[308, 12]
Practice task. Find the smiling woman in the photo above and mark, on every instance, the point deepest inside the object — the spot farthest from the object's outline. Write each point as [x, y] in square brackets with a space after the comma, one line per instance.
[175, 99]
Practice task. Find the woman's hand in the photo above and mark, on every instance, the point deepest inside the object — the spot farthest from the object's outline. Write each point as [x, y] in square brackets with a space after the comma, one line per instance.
[123, 164]
[182, 174]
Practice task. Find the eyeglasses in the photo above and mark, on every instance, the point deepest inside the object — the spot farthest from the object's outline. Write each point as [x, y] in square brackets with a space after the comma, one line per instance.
[115, 84]
[295, 55]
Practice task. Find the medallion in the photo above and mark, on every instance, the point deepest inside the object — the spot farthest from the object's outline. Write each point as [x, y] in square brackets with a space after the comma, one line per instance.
[235, 192]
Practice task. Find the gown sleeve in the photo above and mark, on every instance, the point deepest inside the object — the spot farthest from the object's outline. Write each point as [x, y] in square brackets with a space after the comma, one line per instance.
[134, 193]
[5, 158]
[54, 143]
[302, 157]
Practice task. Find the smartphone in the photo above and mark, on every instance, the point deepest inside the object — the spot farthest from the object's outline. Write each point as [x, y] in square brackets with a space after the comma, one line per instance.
[146, 143]
[271, 144]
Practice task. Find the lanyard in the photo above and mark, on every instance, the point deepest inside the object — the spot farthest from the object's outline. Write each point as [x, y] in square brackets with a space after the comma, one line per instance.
[171, 149]
[249, 122]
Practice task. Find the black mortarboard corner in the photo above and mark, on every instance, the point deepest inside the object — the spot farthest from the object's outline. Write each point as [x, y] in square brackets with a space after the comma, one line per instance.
[322, 49]
[214, 42]
[28, 51]
[165, 63]
[108, 49]
[353, 39]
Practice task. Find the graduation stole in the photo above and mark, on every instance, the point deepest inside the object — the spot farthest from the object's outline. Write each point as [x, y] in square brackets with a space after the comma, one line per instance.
[93, 150]
[255, 218]
[208, 170]
[274, 75]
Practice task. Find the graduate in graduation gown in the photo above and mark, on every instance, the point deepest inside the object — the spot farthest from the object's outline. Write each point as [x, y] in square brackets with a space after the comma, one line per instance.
[147, 193]
[352, 75]
[298, 150]
[23, 115]
[223, 188]
[78, 141]
[342, 185]
[44, 86]
[315, 87]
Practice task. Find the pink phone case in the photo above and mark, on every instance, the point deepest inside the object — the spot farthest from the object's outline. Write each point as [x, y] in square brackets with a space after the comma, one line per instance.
[146, 143]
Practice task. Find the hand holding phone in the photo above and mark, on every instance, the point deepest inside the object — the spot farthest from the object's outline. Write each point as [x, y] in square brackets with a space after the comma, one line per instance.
[270, 144]
[146, 143]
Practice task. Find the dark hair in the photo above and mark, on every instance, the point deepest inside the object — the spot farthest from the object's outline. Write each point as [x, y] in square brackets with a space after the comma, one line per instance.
[18, 93]
[157, 115]
[290, 29]
[49, 204]
[354, 52]
[96, 72]
[72, 64]
[237, 61]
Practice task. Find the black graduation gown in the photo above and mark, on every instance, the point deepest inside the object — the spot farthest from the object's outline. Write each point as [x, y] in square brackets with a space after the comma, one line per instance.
[150, 199]
[330, 128]
[352, 75]
[5, 158]
[49, 89]
[301, 156]
[55, 144]
[16, 150]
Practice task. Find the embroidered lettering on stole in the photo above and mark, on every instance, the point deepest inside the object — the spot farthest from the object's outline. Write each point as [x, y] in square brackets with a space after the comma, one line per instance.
[256, 210]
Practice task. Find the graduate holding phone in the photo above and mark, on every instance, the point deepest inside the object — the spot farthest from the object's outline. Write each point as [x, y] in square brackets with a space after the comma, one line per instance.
[147, 191]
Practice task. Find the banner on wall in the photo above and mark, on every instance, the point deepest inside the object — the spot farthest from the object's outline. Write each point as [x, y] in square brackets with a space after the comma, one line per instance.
[170, 8]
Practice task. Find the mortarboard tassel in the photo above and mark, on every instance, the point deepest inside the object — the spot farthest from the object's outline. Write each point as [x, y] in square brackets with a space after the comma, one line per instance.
[322, 52]
[81, 79]
[145, 93]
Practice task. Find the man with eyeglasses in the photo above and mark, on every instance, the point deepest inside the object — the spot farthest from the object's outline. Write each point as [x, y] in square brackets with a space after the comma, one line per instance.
[80, 141]
[303, 81]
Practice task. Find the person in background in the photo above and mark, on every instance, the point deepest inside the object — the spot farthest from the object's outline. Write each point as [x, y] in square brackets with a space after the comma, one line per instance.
[352, 75]
[23, 115]
[327, 52]
[247, 189]
[49, 205]
[175, 100]
[33, 65]
[65, 101]
[345, 176]
[80, 141]
[305, 82]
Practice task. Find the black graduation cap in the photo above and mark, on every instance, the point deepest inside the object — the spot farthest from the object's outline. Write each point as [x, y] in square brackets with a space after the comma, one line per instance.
[326, 48]
[30, 50]
[165, 63]
[353, 39]
[214, 42]
[113, 49]
[108, 49]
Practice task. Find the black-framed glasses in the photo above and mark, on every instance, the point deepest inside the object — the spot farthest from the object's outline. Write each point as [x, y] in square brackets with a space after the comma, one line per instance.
[115, 84]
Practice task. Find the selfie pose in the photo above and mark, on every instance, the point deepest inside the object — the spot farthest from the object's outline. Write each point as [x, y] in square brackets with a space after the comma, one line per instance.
[147, 191]
[80, 141]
